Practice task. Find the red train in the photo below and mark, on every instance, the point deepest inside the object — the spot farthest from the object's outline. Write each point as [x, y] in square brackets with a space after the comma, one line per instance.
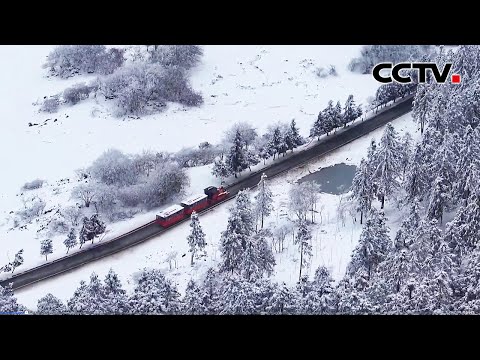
[175, 213]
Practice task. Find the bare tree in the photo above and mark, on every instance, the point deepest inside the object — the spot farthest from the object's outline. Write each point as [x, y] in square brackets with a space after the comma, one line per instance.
[72, 214]
[85, 193]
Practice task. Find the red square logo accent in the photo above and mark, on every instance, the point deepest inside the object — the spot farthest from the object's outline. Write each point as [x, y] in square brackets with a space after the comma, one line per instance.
[456, 79]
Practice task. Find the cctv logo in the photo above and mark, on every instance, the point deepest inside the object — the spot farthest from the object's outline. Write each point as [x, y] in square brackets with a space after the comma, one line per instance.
[440, 77]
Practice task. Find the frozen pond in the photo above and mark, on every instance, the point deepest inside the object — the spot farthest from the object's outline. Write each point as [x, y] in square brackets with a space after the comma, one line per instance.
[335, 179]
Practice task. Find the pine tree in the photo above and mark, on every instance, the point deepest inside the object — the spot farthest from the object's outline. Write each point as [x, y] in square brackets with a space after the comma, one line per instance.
[303, 240]
[285, 301]
[154, 294]
[237, 297]
[388, 157]
[416, 177]
[240, 227]
[116, 300]
[237, 160]
[275, 143]
[192, 301]
[71, 240]
[264, 201]
[91, 228]
[339, 120]
[362, 189]
[50, 305]
[330, 117]
[373, 246]
[467, 163]
[196, 239]
[46, 248]
[421, 106]
[405, 235]
[17, 261]
[295, 136]
[319, 126]
[406, 152]
[8, 301]
[439, 199]
[350, 111]
[264, 254]
[220, 169]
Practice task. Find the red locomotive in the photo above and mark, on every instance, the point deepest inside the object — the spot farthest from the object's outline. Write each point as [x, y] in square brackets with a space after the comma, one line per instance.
[176, 213]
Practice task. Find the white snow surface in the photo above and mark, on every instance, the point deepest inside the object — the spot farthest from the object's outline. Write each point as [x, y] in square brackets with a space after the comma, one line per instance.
[257, 84]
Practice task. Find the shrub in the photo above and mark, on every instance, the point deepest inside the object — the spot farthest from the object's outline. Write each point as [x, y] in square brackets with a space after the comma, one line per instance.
[114, 168]
[184, 56]
[50, 105]
[69, 60]
[76, 93]
[33, 208]
[32, 185]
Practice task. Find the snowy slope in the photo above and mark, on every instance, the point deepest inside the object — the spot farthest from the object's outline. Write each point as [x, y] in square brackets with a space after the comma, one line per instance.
[332, 242]
[259, 84]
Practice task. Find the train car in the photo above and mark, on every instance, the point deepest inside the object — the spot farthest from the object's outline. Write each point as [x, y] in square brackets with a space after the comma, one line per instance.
[170, 215]
[195, 203]
[215, 194]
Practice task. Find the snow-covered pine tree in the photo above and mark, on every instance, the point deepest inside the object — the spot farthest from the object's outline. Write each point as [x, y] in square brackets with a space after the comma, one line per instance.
[116, 299]
[196, 238]
[358, 112]
[373, 246]
[406, 152]
[439, 199]
[88, 299]
[238, 297]
[338, 116]
[46, 248]
[154, 294]
[8, 301]
[416, 177]
[192, 303]
[263, 200]
[295, 136]
[285, 301]
[405, 235]
[71, 240]
[350, 111]
[303, 240]
[275, 143]
[362, 189]
[240, 227]
[318, 300]
[329, 116]
[210, 291]
[220, 169]
[388, 156]
[236, 159]
[265, 258]
[467, 164]
[319, 126]
[421, 105]
[50, 305]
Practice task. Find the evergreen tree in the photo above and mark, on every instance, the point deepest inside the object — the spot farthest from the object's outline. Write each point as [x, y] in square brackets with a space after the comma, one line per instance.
[372, 248]
[362, 189]
[240, 227]
[192, 301]
[264, 201]
[303, 240]
[116, 299]
[46, 248]
[405, 235]
[91, 228]
[320, 126]
[50, 305]
[350, 111]
[330, 117]
[220, 169]
[388, 163]
[295, 136]
[416, 177]
[237, 160]
[285, 301]
[17, 261]
[196, 239]
[339, 120]
[406, 152]
[71, 240]
[154, 294]
[265, 258]
[8, 301]
[237, 297]
[439, 199]
[467, 163]
[276, 141]
[421, 105]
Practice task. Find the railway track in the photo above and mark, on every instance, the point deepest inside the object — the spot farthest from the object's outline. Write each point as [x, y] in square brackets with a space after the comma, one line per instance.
[150, 230]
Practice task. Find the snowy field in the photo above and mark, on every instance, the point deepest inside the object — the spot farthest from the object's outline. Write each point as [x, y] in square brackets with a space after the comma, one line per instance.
[258, 84]
[332, 242]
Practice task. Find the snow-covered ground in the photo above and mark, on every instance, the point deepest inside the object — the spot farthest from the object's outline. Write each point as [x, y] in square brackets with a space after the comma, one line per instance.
[258, 84]
[332, 242]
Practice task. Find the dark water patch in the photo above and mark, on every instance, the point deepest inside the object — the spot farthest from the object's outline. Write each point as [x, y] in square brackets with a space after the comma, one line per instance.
[335, 179]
